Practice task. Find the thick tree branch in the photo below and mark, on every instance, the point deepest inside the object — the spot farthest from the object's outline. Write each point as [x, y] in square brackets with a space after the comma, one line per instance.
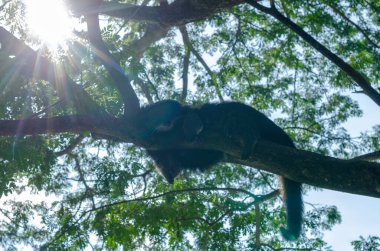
[31, 64]
[369, 156]
[351, 176]
[348, 69]
[59, 124]
[120, 79]
[153, 33]
[177, 13]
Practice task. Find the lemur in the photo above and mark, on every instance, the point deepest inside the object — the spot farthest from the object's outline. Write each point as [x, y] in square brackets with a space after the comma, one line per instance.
[234, 119]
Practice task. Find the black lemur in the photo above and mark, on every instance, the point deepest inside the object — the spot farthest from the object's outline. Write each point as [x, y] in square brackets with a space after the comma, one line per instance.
[235, 120]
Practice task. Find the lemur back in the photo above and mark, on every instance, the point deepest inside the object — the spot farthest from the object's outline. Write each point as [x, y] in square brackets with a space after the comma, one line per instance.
[233, 119]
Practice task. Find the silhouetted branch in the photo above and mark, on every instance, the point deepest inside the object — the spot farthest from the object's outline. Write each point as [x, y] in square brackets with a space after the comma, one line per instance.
[352, 176]
[186, 62]
[60, 124]
[345, 67]
[342, 15]
[257, 223]
[153, 33]
[30, 64]
[35, 115]
[188, 190]
[177, 13]
[71, 146]
[213, 76]
[120, 79]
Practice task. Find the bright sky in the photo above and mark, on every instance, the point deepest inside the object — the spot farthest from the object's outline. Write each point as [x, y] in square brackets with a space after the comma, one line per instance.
[49, 21]
[360, 214]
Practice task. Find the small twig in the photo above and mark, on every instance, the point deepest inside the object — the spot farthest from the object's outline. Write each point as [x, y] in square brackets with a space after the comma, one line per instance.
[88, 190]
[210, 224]
[43, 110]
[71, 146]
[186, 62]
[228, 189]
[257, 233]
[144, 88]
[264, 176]
[213, 76]
[152, 86]
[342, 15]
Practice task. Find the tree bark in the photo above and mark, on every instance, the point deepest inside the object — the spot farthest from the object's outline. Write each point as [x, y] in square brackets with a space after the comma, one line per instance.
[351, 176]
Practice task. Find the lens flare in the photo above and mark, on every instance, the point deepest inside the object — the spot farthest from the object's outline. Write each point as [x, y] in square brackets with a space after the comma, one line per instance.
[49, 21]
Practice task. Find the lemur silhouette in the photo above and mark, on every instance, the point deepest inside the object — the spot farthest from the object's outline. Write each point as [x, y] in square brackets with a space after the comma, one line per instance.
[235, 120]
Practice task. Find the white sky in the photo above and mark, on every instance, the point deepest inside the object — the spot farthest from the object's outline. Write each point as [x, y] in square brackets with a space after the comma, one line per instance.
[360, 214]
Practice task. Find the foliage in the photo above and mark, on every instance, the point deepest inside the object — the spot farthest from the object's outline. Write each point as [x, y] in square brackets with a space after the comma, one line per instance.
[106, 195]
[372, 243]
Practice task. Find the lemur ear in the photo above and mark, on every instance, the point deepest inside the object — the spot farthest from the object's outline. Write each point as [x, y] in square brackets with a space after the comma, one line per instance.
[192, 126]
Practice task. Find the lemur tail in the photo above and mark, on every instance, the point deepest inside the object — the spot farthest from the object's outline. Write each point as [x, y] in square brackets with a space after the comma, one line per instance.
[292, 198]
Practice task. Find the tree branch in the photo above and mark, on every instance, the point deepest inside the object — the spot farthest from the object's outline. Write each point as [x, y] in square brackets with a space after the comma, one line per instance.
[342, 15]
[213, 76]
[188, 190]
[351, 176]
[345, 67]
[120, 79]
[31, 64]
[144, 88]
[257, 223]
[153, 33]
[37, 114]
[177, 13]
[186, 63]
[60, 124]
[369, 156]
[71, 146]
[89, 192]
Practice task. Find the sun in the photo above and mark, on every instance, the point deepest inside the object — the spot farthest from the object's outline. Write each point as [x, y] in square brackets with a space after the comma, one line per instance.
[49, 21]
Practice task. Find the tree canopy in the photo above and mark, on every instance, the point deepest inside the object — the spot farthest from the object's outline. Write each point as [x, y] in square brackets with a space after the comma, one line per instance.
[66, 131]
